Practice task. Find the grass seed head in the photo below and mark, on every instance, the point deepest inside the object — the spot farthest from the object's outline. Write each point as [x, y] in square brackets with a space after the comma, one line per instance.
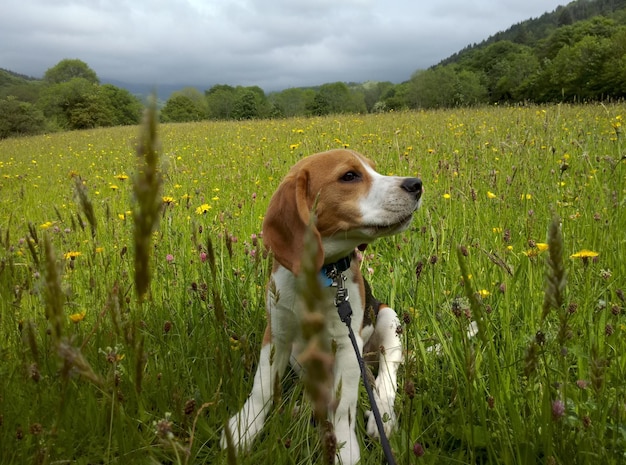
[556, 278]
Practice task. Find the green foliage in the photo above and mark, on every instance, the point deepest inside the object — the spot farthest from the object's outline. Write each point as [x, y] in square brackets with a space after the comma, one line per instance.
[75, 104]
[443, 87]
[19, 118]
[125, 107]
[70, 97]
[180, 109]
[67, 69]
[291, 102]
[221, 101]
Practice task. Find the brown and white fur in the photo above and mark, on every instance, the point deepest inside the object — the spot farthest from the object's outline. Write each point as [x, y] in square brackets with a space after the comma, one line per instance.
[354, 205]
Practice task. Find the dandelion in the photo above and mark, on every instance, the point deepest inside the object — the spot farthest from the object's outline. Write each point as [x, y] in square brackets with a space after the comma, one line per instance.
[78, 317]
[585, 254]
[202, 209]
[167, 200]
[536, 248]
[121, 177]
[113, 187]
[491, 195]
[446, 196]
[72, 255]
[484, 293]
[46, 225]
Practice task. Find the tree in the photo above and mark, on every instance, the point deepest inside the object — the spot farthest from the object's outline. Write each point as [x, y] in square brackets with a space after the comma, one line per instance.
[179, 109]
[19, 118]
[292, 102]
[337, 97]
[67, 69]
[76, 104]
[445, 86]
[372, 93]
[197, 97]
[245, 105]
[576, 72]
[220, 101]
[319, 106]
[125, 107]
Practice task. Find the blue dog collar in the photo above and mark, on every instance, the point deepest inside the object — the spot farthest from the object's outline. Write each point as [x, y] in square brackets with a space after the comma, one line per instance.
[328, 272]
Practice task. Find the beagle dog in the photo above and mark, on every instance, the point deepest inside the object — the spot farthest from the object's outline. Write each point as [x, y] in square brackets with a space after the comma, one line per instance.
[354, 205]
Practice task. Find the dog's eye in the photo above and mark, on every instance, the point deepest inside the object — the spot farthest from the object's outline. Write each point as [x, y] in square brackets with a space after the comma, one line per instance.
[350, 176]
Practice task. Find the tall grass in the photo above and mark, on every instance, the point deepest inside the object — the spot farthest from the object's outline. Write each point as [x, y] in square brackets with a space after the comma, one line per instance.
[94, 372]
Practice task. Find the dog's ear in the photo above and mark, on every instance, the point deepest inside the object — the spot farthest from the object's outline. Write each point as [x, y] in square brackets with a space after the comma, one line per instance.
[286, 222]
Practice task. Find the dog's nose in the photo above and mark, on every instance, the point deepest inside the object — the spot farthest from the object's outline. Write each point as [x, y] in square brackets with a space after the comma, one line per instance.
[412, 186]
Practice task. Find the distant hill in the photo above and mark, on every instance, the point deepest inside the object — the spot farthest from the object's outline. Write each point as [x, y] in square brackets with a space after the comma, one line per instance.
[533, 30]
[163, 91]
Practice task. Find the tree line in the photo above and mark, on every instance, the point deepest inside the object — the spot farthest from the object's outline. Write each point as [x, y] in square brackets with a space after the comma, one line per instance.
[567, 55]
[68, 97]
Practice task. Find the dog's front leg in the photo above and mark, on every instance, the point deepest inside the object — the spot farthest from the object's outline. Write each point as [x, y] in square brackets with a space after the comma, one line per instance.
[345, 396]
[389, 346]
[245, 425]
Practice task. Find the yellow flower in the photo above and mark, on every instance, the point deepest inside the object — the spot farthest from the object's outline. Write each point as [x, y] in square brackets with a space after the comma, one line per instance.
[202, 209]
[167, 199]
[72, 255]
[78, 317]
[491, 195]
[484, 293]
[46, 225]
[526, 197]
[121, 216]
[121, 177]
[585, 254]
[446, 196]
[113, 187]
[542, 246]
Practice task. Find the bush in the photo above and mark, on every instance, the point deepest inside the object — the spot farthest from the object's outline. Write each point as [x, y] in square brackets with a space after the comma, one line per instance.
[19, 118]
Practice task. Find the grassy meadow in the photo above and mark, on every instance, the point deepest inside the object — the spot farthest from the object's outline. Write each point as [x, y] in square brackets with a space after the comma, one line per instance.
[522, 229]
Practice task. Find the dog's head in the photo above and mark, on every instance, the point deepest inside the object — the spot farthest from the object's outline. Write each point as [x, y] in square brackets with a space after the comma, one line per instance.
[353, 206]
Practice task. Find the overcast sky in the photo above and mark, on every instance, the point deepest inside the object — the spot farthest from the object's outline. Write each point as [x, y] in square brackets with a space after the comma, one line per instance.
[274, 44]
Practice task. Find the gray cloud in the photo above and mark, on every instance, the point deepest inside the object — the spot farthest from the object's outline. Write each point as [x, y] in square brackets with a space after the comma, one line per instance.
[274, 44]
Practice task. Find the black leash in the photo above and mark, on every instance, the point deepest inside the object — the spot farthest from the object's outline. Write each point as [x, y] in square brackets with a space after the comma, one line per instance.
[342, 302]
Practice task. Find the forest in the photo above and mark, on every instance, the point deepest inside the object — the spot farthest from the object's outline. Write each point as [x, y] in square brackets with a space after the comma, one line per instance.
[577, 53]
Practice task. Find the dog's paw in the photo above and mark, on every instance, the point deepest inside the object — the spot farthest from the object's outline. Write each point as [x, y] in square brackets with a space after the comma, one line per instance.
[389, 423]
[241, 433]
